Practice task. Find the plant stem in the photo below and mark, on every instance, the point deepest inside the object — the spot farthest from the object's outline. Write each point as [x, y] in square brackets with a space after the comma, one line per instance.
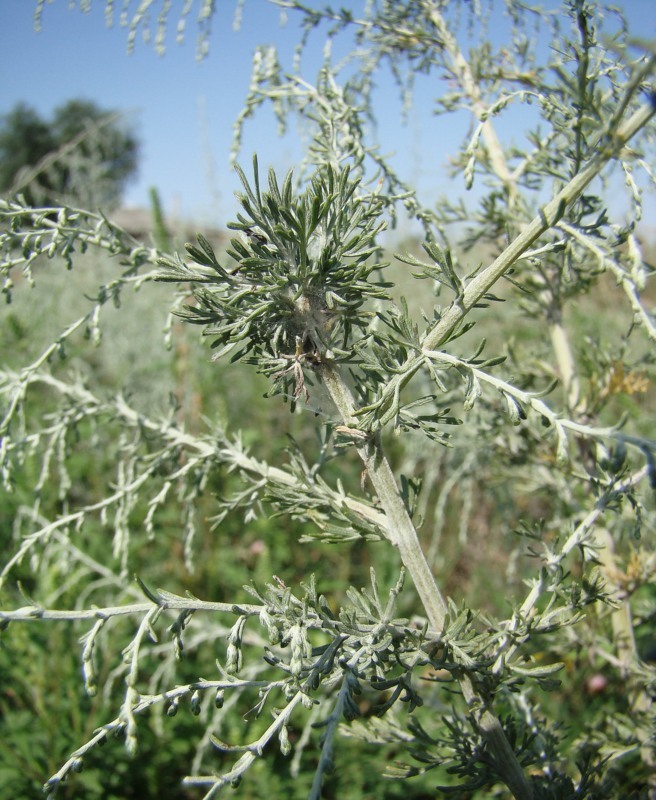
[465, 78]
[403, 535]
[400, 528]
[566, 364]
[548, 216]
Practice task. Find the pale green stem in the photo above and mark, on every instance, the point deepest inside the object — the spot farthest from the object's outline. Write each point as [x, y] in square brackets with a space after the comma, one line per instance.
[624, 279]
[400, 528]
[252, 752]
[578, 537]
[548, 216]
[565, 361]
[470, 86]
[403, 534]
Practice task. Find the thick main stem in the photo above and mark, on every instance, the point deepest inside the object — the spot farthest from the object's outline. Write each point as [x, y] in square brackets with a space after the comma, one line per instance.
[403, 534]
[400, 527]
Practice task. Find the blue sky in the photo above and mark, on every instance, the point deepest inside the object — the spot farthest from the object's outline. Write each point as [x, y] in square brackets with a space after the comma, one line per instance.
[183, 110]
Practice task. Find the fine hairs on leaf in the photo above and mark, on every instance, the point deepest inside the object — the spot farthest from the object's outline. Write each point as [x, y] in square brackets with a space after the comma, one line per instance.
[392, 531]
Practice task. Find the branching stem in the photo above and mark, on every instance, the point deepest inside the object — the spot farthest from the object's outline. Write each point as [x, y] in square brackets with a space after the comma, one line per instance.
[549, 216]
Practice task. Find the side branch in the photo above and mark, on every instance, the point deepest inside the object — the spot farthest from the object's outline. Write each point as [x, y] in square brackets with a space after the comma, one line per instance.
[170, 603]
[547, 218]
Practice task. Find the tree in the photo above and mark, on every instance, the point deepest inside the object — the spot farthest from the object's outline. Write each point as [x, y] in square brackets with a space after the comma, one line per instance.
[24, 140]
[494, 457]
[84, 155]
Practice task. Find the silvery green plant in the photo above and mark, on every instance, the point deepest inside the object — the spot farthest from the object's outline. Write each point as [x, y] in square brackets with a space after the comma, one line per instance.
[437, 420]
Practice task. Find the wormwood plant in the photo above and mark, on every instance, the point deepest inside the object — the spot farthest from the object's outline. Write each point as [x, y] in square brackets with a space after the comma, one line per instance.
[501, 421]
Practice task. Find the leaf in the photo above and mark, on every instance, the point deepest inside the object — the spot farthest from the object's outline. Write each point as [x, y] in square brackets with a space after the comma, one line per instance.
[515, 412]
[474, 391]
[562, 448]
[537, 670]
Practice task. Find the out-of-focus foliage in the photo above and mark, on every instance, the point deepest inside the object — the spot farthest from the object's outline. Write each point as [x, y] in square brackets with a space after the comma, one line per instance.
[83, 156]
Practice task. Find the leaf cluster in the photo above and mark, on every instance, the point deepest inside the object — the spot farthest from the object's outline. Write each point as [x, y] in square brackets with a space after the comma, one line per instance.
[303, 279]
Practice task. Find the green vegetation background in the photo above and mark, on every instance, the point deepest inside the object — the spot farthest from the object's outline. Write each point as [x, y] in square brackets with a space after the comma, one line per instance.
[44, 712]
